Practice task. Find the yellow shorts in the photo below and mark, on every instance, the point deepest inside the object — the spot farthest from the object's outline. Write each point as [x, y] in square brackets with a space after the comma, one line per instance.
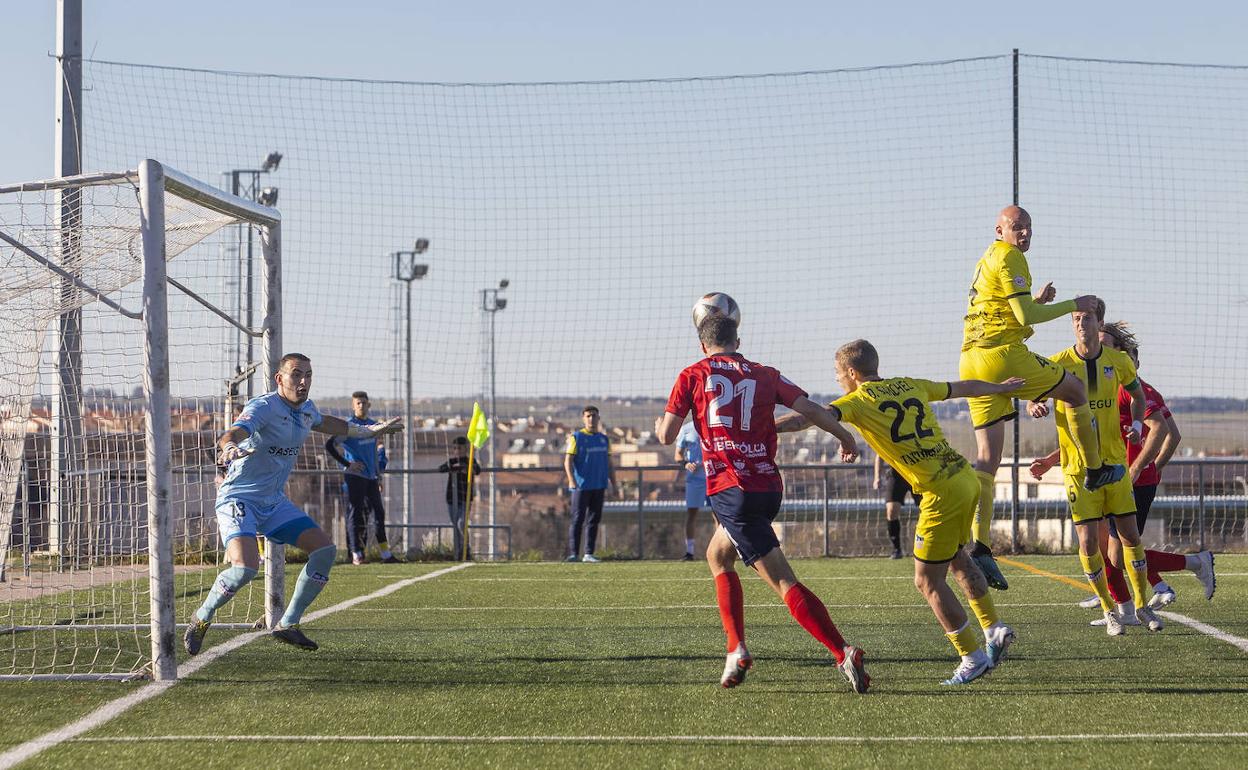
[945, 515]
[1001, 363]
[1117, 499]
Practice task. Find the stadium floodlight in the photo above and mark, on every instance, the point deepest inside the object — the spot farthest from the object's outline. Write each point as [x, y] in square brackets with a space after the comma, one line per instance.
[406, 269]
[245, 183]
[492, 301]
[104, 603]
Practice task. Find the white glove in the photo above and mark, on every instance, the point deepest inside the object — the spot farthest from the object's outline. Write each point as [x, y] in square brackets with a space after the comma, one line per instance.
[393, 425]
[229, 453]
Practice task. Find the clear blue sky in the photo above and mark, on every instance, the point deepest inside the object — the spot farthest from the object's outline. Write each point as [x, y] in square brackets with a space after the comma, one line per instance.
[471, 40]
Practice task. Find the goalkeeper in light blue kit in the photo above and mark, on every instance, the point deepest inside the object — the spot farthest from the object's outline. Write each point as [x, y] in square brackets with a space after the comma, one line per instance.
[259, 451]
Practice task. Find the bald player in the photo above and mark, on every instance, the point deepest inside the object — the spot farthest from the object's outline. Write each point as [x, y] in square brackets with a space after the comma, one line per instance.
[1000, 313]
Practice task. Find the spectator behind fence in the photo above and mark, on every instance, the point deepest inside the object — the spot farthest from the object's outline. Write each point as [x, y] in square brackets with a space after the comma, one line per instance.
[587, 463]
[456, 469]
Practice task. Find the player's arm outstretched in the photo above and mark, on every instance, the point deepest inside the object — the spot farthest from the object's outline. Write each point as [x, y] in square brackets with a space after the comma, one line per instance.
[828, 420]
[970, 388]
[336, 426]
[1029, 310]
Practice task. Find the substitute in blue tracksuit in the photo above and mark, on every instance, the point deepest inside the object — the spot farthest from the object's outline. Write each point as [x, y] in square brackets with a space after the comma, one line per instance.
[363, 461]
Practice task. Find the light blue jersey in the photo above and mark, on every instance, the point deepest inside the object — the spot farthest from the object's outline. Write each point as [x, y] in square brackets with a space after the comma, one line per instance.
[277, 431]
[688, 441]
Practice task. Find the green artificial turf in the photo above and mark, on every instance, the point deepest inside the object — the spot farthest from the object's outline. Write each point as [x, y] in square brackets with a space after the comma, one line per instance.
[621, 662]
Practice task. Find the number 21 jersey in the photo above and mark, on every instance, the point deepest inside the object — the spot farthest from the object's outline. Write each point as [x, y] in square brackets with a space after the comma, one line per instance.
[733, 403]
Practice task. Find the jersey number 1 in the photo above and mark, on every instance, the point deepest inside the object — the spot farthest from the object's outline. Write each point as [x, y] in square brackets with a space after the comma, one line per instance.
[725, 392]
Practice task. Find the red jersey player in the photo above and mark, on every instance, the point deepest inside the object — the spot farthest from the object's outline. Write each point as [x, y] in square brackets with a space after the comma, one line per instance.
[1158, 440]
[733, 401]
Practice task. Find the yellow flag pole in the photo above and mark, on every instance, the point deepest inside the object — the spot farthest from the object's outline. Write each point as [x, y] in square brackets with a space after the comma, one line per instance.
[467, 503]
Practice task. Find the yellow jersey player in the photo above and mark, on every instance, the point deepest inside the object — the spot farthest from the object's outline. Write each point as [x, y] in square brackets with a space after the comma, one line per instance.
[1103, 370]
[999, 316]
[894, 417]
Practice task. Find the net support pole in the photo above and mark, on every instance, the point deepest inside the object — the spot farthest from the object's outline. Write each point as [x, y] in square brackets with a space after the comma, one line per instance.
[1014, 469]
[67, 406]
[158, 444]
[271, 349]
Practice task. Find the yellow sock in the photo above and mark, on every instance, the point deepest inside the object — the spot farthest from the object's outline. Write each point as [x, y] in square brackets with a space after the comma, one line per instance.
[1136, 566]
[982, 527]
[1085, 436]
[985, 611]
[383, 546]
[964, 640]
[1094, 570]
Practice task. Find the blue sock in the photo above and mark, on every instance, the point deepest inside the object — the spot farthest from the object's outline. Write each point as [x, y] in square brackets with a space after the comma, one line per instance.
[226, 585]
[313, 578]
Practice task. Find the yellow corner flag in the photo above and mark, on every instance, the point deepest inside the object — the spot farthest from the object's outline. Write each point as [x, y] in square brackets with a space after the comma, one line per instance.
[478, 430]
[478, 434]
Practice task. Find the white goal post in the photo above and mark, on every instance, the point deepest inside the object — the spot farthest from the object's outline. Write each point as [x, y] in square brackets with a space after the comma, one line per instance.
[71, 607]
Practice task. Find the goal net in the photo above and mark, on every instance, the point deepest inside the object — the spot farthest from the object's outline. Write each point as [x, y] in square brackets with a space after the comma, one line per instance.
[113, 386]
[831, 205]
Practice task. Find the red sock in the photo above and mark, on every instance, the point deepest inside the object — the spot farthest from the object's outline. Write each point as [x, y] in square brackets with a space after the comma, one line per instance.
[810, 613]
[1163, 561]
[731, 607]
[1117, 584]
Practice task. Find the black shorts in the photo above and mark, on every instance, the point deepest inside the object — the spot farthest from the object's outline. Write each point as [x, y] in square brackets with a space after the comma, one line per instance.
[898, 488]
[1144, 496]
[747, 517]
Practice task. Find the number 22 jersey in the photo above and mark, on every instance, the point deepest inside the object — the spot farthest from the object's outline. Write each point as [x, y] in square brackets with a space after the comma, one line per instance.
[733, 403]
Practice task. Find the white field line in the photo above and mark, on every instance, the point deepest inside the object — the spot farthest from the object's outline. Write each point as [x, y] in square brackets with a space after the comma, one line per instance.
[1205, 628]
[660, 739]
[805, 579]
[113, 709]
[627, 607]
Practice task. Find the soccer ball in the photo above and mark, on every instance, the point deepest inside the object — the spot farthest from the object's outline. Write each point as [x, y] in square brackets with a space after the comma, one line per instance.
[715, 303]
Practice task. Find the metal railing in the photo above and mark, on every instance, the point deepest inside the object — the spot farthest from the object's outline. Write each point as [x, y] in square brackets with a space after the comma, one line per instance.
[830, 509]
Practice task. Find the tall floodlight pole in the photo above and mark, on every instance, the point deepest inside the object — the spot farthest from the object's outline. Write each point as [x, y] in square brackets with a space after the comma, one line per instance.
[67, 407]
[407, 270]
[245, 183]
[491, 303]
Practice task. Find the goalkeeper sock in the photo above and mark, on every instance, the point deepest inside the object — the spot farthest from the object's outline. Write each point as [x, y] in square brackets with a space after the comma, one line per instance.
[810, 613]
[731, 607]
[1118, 589]
[1163, 561]
[1085, 436]
[228, 583]
[983, 514]
[691, 544]
[894, 533]
[1136, 567]
[1094, 571]
[384, 547]
[312, 579]
[985, 611]
[964, 640]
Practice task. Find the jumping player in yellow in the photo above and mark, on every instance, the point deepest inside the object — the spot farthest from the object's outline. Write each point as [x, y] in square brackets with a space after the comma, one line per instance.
[999, 316]
[894, 417]
[1102, 370]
